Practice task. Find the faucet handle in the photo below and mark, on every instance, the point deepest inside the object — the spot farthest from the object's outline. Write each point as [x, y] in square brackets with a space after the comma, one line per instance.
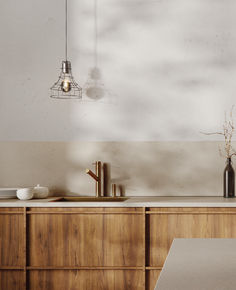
[88, 171]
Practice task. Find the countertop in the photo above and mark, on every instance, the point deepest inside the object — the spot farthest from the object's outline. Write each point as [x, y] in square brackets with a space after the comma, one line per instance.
[170, 201]
[199, 264]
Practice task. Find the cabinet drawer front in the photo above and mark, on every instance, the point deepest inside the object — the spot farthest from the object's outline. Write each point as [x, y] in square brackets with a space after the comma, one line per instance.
[152, 277]
[11, 240]
[86, 280]
[165, 227]
[11, 280]
[86, 240]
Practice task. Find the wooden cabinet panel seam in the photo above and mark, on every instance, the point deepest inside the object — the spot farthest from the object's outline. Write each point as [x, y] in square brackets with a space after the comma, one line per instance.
[25, 248]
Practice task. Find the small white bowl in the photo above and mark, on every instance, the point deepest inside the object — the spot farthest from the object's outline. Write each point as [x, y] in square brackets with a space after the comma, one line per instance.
[25, 193]
[40, 191]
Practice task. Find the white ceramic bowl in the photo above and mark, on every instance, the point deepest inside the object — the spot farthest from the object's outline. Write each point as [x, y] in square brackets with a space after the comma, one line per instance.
[25, 193]
[40, 191]
[6, 193]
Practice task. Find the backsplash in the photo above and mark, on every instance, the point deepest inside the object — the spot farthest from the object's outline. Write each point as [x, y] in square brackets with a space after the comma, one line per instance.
[143, 168]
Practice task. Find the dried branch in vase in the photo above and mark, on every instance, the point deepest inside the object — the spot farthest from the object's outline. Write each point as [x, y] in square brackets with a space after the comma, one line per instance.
[228, 131]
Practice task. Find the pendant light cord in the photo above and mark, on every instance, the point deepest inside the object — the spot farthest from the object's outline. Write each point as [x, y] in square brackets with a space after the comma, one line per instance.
[95, 34]
[66, 34]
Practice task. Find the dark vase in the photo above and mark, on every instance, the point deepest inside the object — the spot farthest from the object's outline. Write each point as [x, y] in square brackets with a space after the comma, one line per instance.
[229, 179]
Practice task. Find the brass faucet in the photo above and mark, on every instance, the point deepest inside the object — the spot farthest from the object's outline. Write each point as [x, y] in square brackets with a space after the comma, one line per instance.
[97, 177]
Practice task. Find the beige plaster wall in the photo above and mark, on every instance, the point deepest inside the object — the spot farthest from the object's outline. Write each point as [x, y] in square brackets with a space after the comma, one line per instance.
[168, 68]
[144, 168]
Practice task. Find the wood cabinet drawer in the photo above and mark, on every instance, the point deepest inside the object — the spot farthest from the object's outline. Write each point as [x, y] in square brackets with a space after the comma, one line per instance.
[11, 280]
[152, 277]
[187, 223]
[86, 280]
[86, 240]
[11, 239]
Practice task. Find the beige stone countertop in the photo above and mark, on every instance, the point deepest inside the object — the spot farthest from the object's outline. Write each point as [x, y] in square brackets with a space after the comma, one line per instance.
[170, 201]
[199, 264]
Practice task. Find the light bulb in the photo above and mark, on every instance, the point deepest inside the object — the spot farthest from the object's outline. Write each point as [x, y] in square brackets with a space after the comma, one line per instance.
[66, 85]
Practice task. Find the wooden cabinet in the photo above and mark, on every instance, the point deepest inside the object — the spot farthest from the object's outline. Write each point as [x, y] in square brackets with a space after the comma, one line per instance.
[12, 280]
[98, 248]
[86, 239]
[73, 248]
[11, 237]
[86, 279]
[169, 223]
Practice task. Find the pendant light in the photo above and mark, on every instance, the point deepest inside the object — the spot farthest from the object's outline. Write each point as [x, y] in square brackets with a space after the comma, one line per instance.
[66, 87]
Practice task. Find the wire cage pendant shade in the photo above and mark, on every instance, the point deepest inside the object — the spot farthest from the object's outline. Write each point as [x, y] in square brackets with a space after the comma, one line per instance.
[66, 87]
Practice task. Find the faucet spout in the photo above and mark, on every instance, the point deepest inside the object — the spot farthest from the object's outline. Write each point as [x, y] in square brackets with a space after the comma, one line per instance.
[97, 177]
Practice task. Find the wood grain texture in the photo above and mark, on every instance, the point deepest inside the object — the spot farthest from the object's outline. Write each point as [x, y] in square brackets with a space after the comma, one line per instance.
[86, 240]
[11, 209]
[11, 240]
[191, 210]
[86, 209]
[86, 280]
[111, 248]
[185, 224]
[151, 279]
[12, 280]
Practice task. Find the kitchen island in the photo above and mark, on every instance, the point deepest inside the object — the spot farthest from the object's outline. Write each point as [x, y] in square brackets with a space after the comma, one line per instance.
[199, 264]
[50, 244]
